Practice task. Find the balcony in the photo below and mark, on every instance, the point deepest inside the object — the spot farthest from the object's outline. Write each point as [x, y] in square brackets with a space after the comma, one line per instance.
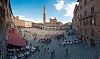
[87, 16]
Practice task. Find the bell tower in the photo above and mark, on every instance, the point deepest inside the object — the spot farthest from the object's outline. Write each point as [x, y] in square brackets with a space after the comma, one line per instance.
[44, 15]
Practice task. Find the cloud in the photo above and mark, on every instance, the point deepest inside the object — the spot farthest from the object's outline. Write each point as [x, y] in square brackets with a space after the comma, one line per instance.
[69, 8]
[62, 20]
[21, 17]
[38, 20]
[59, 5]
[65, 20]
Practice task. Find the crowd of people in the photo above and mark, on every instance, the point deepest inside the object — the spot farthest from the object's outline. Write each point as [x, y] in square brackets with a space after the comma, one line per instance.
[46, 39]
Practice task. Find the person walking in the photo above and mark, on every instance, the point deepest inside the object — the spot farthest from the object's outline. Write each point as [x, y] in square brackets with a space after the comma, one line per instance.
[66, 52]
[52, 54]
[37, 48]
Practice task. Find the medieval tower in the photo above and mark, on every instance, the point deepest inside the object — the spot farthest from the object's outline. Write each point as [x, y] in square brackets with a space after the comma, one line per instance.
[44, 15]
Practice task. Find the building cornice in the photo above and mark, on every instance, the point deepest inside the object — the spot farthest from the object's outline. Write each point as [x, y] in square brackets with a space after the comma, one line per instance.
[78, 0]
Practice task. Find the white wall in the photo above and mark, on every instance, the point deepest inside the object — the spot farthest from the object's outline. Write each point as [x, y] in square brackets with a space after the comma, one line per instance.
[28, 24]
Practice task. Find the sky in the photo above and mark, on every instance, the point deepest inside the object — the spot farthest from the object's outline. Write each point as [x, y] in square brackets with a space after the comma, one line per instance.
[32, 10]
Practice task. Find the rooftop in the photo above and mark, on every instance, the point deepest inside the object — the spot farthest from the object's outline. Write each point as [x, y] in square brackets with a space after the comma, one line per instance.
[52, 17]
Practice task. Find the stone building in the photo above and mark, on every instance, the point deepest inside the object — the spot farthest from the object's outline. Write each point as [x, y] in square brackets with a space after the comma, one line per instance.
[53, 24]
[86, 20]
[21, 23]
[75, 21]
[66, 26]
[18, 22]
[28, 24]
[5, 20]
[44, 15]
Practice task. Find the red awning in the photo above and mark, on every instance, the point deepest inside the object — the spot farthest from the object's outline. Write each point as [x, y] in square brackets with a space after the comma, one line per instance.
[15, 39]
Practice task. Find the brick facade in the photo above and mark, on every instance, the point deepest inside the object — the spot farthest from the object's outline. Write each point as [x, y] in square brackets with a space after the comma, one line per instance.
[5, 20]
[86, 19]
